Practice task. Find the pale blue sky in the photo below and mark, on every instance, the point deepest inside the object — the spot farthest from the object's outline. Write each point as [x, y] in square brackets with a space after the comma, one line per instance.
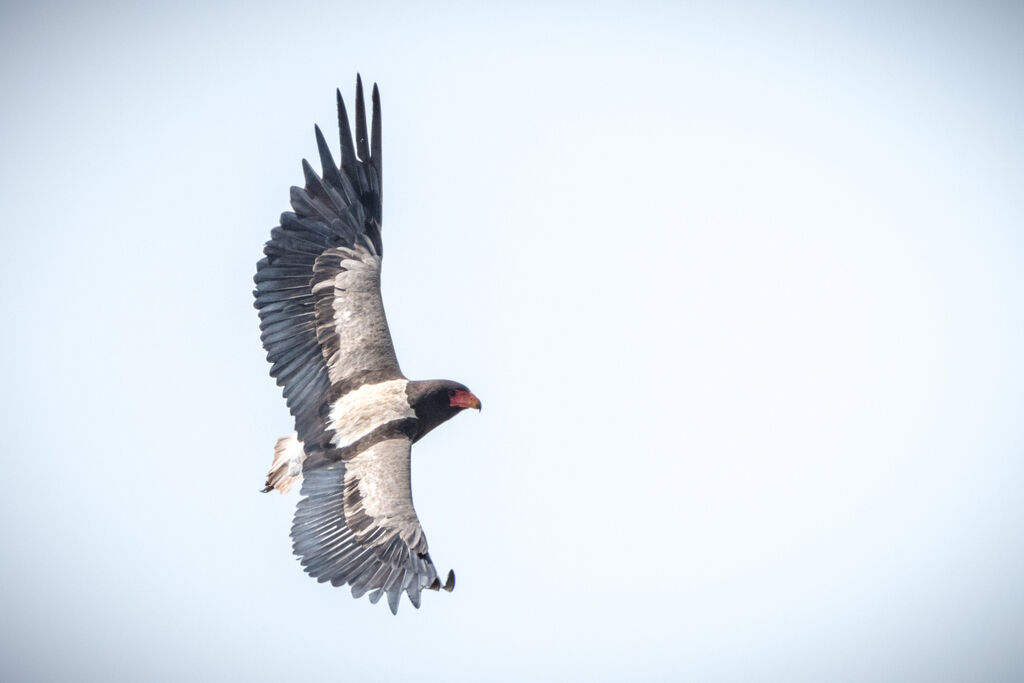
[740, 287]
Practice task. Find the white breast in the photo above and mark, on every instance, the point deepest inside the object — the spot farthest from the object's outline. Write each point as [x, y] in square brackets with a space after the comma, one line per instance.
[360, 411]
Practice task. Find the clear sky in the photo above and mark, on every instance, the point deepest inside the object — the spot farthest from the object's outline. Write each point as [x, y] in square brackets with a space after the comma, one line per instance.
[741, 290]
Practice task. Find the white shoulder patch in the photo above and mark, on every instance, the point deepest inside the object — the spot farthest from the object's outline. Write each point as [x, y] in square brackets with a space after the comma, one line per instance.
[361, 410]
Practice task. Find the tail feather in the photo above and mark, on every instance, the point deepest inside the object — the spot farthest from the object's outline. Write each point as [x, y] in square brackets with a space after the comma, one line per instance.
[286, 470]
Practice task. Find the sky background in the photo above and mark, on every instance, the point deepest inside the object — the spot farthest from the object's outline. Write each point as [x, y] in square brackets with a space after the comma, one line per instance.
[741, 289]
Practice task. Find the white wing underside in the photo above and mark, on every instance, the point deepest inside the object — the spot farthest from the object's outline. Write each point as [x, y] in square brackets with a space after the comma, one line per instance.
[378, 486]
[351, 326]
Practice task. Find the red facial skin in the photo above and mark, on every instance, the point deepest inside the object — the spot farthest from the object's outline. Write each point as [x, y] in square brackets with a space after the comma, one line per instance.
[464, 399]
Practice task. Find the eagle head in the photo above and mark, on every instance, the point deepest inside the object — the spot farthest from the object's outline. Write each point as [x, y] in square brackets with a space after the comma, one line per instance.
[437, 401]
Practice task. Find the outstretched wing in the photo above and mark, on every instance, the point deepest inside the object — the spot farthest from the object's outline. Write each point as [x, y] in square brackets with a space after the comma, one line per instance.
[356, 525]
[318, 287]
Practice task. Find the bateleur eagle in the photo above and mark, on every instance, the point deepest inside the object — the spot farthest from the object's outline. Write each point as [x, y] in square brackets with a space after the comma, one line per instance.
[356, 415]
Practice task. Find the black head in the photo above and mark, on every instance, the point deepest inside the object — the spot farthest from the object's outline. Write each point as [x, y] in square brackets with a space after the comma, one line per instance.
[438, 400]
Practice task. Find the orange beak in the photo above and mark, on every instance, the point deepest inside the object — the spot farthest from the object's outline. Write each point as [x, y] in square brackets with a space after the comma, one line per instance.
[465, 399]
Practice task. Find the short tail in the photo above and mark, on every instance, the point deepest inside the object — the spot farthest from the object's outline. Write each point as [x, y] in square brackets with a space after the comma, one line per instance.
[286, 470]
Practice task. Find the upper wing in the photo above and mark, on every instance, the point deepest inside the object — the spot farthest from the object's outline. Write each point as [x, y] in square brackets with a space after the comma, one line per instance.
[356, 525]
[318, 287]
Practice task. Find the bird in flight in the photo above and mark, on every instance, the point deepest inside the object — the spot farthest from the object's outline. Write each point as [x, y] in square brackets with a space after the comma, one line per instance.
[356, 415]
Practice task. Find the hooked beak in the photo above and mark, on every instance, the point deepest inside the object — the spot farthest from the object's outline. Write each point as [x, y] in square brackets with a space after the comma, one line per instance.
[465, 399]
